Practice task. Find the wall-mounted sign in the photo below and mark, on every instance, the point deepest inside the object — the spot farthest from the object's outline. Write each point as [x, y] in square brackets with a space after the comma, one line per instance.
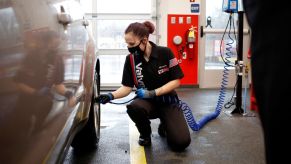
[195, 8]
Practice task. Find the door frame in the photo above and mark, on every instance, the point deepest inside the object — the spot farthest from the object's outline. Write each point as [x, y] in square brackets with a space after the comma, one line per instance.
[212, 78]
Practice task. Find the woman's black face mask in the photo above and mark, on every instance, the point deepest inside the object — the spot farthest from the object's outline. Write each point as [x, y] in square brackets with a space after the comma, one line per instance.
[136, 50]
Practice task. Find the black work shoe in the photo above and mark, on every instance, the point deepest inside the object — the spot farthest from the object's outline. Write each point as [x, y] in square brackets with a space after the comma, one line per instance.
[144, 141]
[161, 130]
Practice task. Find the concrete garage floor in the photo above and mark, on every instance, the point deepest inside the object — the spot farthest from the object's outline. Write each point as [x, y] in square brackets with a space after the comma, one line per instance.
[229, 139]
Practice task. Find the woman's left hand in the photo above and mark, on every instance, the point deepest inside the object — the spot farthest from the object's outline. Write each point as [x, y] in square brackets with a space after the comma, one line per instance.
[144, 93]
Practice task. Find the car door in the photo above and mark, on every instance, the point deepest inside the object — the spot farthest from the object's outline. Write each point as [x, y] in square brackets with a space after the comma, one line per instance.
[41, 59]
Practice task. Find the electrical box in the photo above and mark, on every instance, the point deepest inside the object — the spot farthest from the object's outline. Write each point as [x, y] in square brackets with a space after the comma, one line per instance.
[230, 6]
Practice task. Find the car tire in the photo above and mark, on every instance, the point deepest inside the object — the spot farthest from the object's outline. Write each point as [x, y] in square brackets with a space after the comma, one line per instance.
[88, 137]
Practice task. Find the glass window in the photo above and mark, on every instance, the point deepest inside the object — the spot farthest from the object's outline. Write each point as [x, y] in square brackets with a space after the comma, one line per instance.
[212, 55]
[111, 68]
[219, 20]
[87, 6]
[124, 6]
[109, 19]
[110, 33]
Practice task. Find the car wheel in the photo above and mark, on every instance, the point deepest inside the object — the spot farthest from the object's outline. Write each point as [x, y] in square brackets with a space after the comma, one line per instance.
[89, 136]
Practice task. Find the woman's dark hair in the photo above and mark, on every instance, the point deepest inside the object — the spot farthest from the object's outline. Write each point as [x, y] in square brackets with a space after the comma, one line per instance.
[141, 29]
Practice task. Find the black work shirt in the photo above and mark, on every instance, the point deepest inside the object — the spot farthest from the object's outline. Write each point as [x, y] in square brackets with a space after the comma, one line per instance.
[161, 68]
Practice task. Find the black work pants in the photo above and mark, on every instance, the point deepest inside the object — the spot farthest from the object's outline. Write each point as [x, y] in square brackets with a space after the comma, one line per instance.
[171, 116]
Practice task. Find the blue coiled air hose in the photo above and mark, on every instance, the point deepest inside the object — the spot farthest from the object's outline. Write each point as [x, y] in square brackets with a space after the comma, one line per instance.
[195, 126]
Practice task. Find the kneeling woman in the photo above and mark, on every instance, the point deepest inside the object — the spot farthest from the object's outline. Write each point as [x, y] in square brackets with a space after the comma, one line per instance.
[156, 73]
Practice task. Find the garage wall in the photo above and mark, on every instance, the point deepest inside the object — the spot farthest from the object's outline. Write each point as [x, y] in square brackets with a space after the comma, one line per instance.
[171, 7]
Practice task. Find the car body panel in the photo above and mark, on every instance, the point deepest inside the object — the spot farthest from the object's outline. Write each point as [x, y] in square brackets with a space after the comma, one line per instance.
[40, 59]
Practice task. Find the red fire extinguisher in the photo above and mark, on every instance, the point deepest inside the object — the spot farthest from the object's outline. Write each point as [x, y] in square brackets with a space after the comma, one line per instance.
[191, 39]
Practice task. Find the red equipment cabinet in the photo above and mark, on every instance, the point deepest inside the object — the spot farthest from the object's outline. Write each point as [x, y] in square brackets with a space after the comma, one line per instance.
[186, 48]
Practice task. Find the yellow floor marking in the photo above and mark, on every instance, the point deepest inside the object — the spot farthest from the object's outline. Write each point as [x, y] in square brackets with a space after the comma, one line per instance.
[137, 153]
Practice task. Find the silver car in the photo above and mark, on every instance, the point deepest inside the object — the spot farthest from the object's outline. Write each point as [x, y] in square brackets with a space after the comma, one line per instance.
[49, 78]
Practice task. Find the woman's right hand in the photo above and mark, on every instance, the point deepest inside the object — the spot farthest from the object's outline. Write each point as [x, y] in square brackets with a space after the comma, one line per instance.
[105, 98]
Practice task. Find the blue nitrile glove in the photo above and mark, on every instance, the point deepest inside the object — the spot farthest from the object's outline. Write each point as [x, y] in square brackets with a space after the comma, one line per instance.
[43, 91]
[144, 93]
[105, 98]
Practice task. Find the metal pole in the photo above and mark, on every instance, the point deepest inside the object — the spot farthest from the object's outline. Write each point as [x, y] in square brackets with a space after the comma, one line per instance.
[238, 103]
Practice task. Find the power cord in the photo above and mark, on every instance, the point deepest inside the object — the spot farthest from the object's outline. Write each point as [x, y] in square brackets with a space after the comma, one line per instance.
[230, 103]
[229, 23]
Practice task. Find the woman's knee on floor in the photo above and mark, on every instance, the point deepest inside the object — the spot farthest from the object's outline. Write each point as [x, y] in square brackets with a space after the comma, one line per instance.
[179, 144]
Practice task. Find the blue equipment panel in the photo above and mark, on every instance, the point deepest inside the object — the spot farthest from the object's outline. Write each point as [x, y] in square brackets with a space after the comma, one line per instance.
[230, 6]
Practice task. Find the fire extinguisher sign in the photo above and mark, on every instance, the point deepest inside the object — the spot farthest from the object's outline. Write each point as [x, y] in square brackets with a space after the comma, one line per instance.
[195, 8]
